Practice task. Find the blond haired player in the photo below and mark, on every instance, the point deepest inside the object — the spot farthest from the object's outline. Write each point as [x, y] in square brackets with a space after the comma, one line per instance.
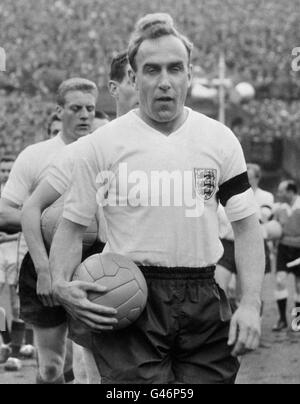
[76, 109]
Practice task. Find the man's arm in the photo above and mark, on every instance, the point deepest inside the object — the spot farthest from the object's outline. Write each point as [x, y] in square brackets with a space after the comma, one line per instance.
[10, 216]
[44, 196]
[250, 260]
[65, 256]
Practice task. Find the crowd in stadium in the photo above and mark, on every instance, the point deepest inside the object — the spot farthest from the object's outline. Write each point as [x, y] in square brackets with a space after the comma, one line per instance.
[59, 65]
[68, 37]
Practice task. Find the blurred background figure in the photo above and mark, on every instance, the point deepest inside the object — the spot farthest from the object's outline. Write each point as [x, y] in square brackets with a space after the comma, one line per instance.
[54, 126]
[226, 269]
[288, 215]
[10, 258]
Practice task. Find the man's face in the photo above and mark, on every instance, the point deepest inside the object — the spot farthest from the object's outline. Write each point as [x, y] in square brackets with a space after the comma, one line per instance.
[5, 169]
[253, 180]
[163, 77]
[77, 114]
[56, 127]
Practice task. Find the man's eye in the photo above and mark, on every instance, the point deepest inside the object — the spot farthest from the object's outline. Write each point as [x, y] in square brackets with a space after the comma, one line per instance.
[151, 70]
[176, 69]
[91, 109]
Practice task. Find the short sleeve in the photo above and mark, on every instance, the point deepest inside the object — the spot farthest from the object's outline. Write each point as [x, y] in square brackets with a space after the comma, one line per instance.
[81, 199]
[21, 179]
[235, 192]
[61, 170]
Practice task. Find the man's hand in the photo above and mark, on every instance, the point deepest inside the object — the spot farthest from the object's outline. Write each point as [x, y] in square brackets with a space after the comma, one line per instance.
[44, 289]
[245, 330]
[73, 296]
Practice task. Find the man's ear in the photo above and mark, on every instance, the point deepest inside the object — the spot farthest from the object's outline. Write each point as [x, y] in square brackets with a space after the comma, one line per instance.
[59, 111]
[132, 77]
[113, 88]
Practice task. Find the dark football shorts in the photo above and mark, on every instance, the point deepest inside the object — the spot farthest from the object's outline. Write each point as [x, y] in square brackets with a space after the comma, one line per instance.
[181, 337]
[32, 310]
[228, 259]
[285, 255]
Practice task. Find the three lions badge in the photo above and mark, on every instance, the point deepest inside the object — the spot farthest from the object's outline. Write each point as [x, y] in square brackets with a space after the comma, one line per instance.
[205, 182]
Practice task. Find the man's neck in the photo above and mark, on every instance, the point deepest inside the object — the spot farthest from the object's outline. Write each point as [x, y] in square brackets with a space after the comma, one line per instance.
[166, 128]
[65, 139]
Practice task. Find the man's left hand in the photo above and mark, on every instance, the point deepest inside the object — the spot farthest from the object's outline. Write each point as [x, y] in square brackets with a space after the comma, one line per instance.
[245, 330]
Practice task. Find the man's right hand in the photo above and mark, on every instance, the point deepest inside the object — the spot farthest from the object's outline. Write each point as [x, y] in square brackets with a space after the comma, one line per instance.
[73, 296]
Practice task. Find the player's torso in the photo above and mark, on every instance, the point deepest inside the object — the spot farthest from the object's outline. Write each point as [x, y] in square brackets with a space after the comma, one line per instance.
[163, 193]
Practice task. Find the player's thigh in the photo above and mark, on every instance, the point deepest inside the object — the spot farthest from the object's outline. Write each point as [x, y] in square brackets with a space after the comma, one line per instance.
[84, 366]
[51, 342]
[14, 301]
[202, 354]
[93, 375]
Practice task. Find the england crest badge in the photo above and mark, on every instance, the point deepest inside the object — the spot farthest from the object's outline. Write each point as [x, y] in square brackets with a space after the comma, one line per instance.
[205, 182]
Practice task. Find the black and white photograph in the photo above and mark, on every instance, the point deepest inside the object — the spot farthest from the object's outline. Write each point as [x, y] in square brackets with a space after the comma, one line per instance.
[150, 195]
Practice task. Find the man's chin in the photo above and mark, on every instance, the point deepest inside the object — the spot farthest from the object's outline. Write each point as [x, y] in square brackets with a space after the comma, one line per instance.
[82, 133]
[165, 116]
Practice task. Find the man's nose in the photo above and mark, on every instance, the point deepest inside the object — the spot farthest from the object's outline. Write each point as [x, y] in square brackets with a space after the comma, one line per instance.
[84, 113]
[164, 83]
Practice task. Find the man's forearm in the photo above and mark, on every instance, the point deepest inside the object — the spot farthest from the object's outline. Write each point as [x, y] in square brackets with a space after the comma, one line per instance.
[31, 224]
[66, 252]
[250, 259]
[10, 219]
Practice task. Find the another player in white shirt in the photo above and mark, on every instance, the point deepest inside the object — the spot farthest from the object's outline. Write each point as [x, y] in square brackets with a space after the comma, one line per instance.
[184, 338]
[60, 173]
[76, 108]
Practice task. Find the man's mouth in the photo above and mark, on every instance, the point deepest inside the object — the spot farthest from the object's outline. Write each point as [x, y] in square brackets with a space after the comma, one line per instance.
[165, 99]
[83, 127]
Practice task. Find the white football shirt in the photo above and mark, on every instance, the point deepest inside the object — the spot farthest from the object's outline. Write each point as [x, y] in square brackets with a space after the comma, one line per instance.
[161, 193]
[30, 169]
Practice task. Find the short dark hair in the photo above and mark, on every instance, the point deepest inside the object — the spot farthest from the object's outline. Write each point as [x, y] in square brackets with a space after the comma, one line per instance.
[118, 67]
[291, 186]
[53, 117]
[154, 26]
[8, 158]
[75, 84]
